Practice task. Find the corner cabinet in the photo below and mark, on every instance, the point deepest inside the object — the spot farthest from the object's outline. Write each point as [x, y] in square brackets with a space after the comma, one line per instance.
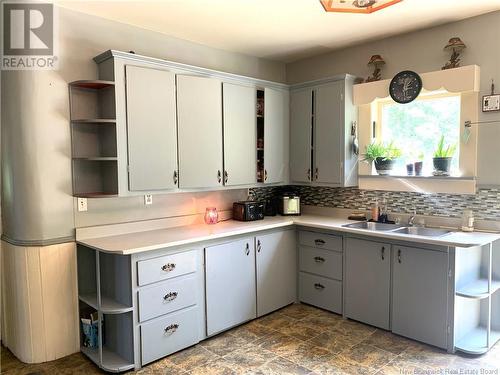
[323, 128]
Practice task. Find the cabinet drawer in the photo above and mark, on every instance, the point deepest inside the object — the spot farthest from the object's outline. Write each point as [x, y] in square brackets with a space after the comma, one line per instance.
[162, 268]
[321, 292]
[169, 334]
[320, 240]
[166, 297]
[322, 262]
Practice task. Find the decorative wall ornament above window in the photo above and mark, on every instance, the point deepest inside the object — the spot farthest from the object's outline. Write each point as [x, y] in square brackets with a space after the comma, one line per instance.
[357, 6]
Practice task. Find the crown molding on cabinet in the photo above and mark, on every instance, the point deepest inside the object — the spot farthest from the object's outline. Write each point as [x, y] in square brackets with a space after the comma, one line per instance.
[189, 69]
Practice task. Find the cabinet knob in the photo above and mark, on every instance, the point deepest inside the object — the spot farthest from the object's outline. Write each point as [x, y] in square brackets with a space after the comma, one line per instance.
[319, 286]
[219, 176]
[399, 255]
[319, 259]
[247, 249]
[259, 247]
[170, 296]
[168, 267]
[171, 328]
[226, 177]
[382, 252]
[319, 242]
[176, 177]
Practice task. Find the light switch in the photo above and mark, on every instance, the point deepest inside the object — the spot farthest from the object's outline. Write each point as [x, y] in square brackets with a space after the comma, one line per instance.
[82, 204]
[148, 199]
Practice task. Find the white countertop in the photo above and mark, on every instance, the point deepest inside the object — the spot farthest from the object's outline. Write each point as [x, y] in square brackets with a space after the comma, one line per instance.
[184, 235]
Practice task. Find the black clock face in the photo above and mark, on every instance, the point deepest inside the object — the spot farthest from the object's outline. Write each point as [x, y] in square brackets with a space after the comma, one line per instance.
[405, 87]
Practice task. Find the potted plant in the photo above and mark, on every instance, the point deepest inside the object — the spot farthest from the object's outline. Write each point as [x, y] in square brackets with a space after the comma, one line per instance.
[443, 157]
[383, 156]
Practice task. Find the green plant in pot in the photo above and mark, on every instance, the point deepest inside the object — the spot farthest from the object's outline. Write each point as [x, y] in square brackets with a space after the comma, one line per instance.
[442, 157]
[382, 155]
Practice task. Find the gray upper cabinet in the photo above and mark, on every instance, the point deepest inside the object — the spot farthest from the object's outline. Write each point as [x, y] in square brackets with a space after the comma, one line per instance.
[240, 134]
[367, 281]
[151, 129]
[321, 146]
[199, 108]
[301, 122]
[230, 284]
[276, 265]
[276, 134]
[327, 133]
[420, 294]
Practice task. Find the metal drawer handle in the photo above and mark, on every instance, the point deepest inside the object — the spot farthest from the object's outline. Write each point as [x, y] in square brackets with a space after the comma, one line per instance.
[226, 177]
[219, 176]
[319, 286]
[176, 177]
[383, 252]
[399, 256]
[170, 296]
[247, 249]
[265, 174]
[319, 242]
[319, 259]
[316, 173]
[168, 267]
[171, 328]
[309, 174]
[259, 247]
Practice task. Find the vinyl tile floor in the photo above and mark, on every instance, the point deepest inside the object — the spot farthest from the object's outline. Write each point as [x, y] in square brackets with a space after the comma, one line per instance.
[298, 339]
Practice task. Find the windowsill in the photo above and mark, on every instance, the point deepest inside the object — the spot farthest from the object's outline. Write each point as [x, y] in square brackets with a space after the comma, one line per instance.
[419, 184]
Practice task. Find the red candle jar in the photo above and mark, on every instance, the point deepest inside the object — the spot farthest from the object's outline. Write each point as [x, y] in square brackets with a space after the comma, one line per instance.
[211, 215]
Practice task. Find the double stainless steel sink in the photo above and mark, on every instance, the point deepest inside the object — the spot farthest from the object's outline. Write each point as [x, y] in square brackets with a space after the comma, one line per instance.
[399, 229]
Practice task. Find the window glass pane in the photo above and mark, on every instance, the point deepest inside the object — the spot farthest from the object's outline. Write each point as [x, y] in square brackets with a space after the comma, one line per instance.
[417, 127]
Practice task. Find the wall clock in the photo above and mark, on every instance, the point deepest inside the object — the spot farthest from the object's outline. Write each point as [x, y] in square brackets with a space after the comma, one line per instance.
[405, 87]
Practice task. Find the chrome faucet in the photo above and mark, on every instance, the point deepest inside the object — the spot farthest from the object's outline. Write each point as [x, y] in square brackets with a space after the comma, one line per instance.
[411, 220]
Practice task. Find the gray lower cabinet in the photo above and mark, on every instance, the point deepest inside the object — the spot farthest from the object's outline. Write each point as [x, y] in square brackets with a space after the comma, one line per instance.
[420, 294]
[321, 292]
[276, 267]
[230, 284]
[368, 281]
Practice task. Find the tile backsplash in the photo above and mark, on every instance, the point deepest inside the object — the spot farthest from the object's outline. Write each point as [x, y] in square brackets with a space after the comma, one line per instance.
[485, 203]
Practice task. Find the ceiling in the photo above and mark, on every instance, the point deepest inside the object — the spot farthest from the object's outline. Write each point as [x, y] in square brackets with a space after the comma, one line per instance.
[281, 30]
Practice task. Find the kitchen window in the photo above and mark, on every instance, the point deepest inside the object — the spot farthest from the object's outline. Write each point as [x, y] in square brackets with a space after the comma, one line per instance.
[417, 127]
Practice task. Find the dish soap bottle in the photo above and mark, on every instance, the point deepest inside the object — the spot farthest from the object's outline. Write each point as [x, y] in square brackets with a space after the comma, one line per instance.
[468, 221]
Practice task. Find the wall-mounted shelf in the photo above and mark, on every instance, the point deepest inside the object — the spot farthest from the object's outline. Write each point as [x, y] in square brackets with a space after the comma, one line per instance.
[93, 138]
[478, 289]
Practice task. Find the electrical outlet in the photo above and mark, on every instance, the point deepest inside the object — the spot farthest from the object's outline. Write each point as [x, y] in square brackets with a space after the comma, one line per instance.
[148, 199]
[82, 204]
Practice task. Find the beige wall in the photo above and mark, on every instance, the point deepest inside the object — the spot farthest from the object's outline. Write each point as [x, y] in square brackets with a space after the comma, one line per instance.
[36, 196]
[422, 51]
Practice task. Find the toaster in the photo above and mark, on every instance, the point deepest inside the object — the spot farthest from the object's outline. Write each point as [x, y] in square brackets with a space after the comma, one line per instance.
[290, 205]
[248, 210]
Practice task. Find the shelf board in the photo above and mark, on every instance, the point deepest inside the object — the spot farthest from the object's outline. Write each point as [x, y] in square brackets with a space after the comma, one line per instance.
[100, 121]
[97, 158]
[478, 289]
[260, 148]
[110, 306]
[475, 341]
[95, 84]
[113, 362]
[92, 353]
[90, 299]
[97, 194]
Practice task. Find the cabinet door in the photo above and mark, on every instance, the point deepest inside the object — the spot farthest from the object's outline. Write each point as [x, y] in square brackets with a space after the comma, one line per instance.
[199, 108]
[230, 284]
[301, 108]
[328, 133]
[240, 135]
[151, 129]
[275, 134]
[276, 259]
[367, 282]
[420, 284]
